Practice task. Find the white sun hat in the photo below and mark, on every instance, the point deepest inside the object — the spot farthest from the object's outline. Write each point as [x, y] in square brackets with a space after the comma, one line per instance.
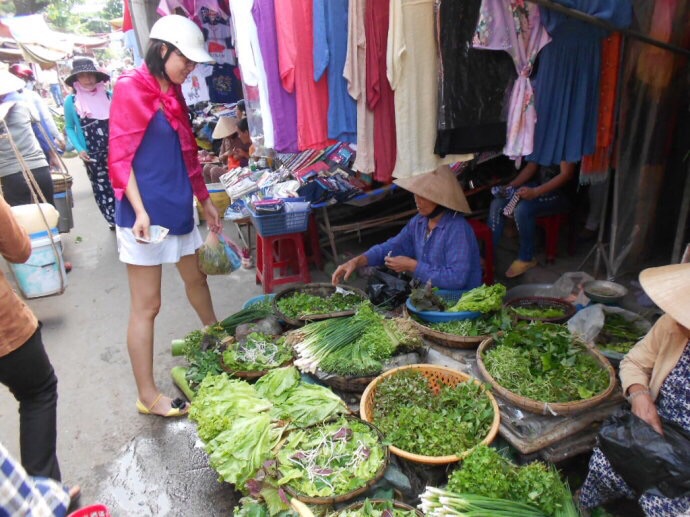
[184, 34]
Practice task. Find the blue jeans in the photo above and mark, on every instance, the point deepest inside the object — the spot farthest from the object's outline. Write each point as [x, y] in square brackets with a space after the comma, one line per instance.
[56, 92]
[526, 213]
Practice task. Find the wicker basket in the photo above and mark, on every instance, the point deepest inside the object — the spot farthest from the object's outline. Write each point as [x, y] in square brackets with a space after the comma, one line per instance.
[542, 302]
[346, 384]
[323, 290]
[444, 338]
[396, 504]
[437, 376]
[548, 408]
[350, 495]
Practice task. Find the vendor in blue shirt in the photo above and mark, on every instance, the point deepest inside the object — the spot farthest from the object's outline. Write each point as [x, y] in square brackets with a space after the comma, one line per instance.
[436, 245]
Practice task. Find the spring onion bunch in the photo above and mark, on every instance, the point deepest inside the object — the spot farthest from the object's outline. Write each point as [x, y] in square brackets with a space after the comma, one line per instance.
[437, 502]
[252, 313]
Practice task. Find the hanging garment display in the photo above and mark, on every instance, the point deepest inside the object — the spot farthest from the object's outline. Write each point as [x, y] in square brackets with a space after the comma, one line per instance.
[282, 104]
[355, 72]
[294, 25]
[217, 31]
[195, 87]
[330, 49]
[412, 68]
[379, 93]
[514, 26]
[252, 63]
[566, 83]
[224, 86]
[181, 7]
[474, 84]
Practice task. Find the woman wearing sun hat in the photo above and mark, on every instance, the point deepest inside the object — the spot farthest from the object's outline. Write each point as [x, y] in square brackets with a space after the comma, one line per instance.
[436, 245]
[86, 122]
[155, 173]
[655, 377]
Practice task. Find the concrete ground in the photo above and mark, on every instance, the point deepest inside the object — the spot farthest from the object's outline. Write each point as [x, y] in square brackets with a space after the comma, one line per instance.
[138, 465]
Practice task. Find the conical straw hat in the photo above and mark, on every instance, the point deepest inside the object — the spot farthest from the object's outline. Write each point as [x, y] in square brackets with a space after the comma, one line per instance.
[669, 288]
[440, 186]
[226, 126]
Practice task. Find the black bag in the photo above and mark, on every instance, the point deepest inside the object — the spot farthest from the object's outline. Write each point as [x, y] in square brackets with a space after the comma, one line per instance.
[388, 289]
[646, 460]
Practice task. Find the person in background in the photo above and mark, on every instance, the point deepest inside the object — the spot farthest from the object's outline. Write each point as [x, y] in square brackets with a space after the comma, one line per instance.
[241, 144]
[655, 377]
[86, 122]
[18, 118]
[534, 198]
[53, 80]
[437, 245]
[241, 109]
[226, 131]
[155, 172]
[24, 365]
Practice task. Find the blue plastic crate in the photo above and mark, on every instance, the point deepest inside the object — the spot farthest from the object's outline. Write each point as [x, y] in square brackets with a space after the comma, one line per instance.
[291, 220]
[451, 296]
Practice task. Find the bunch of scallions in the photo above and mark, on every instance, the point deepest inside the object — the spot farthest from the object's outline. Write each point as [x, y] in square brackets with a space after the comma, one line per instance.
[437, 502]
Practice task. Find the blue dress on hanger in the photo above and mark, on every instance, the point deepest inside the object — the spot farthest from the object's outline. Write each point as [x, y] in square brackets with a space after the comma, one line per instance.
[566, 84]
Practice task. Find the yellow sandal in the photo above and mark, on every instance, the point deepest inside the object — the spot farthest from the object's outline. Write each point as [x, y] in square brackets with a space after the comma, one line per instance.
[179, 407]
[519, 267]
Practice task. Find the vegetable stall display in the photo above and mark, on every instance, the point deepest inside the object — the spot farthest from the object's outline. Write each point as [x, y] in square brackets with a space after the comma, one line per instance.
[316, 301]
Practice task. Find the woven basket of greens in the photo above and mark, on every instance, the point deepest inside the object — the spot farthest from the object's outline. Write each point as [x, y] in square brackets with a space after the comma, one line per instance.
[430, 414]
[313, 302]
[541, 308]
[377, 508]
[256, 355]
[542, 368]
[332, 462]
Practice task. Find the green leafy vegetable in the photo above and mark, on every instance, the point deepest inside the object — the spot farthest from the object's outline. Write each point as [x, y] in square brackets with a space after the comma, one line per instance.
[618, 334]
[481, 299]
[414, 419]
[375, 509]
[443, 503]
[302, 304]
[544, 362]
[485, 325]
[202, 349]
[259, 352]
[539, 313]
[425, 299]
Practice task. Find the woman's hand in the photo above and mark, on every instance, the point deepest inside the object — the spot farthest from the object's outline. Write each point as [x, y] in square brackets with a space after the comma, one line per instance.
[212, 218]
[643, 407]
[141, 226]
[84, 156]
[401, 264]
[344, 271]
[528, 193]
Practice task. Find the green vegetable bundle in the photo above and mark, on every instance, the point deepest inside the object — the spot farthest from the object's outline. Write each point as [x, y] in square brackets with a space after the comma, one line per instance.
[252, 313]
[303, 304]
[331, 459]
[544, 362]
[375, 509]
[618, 334]
[444, 503]
[485, 325]
[259, 352]
[355, 345]
[202, 349]
[482, 299]
[539, 313]
[414, 419]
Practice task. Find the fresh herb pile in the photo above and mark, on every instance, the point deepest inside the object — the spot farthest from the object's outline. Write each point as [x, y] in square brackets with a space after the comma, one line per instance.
[482, 299]
[202, 349]
[240, 424]
[618, 334]
[302, 304]
[485, 325]
[414, 419]
[375, 509]
[544, 362]
[486, 473]
[355, 345]
[331, 459]
[539, 313]
[259, 352]
[425, 299]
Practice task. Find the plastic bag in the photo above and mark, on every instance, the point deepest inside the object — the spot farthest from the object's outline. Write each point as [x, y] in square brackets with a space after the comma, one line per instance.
[388, 289]
[219, 255]
[232, 250]
[588, 322]
[646, 460]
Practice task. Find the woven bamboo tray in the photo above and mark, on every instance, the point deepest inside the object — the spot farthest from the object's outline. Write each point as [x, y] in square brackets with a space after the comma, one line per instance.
[323, 290]
[444, 338]
[548, 408]
[350, 495]
[437, 376]
[396, 504]
[543, 302]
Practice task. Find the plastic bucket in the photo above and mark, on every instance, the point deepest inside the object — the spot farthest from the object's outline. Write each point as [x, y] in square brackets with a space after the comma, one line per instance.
[63, 203]
[44, 273]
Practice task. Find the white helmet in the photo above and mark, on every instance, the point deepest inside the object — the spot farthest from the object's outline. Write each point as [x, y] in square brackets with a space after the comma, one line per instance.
[184, 34]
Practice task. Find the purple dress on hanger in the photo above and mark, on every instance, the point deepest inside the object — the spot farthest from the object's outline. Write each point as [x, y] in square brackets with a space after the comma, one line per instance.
[283, 105]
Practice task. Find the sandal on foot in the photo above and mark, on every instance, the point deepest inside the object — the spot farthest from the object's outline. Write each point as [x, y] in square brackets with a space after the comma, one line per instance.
[178, 407]
[519, 267]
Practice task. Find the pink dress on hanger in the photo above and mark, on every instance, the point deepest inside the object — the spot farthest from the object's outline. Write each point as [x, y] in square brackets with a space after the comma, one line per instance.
[295, 26]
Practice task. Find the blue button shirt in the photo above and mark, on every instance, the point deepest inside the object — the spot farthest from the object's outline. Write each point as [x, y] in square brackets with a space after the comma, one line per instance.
[449, 257]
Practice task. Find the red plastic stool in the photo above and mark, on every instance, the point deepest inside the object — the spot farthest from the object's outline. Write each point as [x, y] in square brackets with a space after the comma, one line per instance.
[281, 251]
[95, 510]
[551, 225]
[485, 236]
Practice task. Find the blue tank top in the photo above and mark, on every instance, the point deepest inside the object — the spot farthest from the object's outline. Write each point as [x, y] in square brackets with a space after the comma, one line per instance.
[162, 179]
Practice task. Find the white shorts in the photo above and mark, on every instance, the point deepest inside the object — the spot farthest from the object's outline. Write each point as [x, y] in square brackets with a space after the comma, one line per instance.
[168, 251]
